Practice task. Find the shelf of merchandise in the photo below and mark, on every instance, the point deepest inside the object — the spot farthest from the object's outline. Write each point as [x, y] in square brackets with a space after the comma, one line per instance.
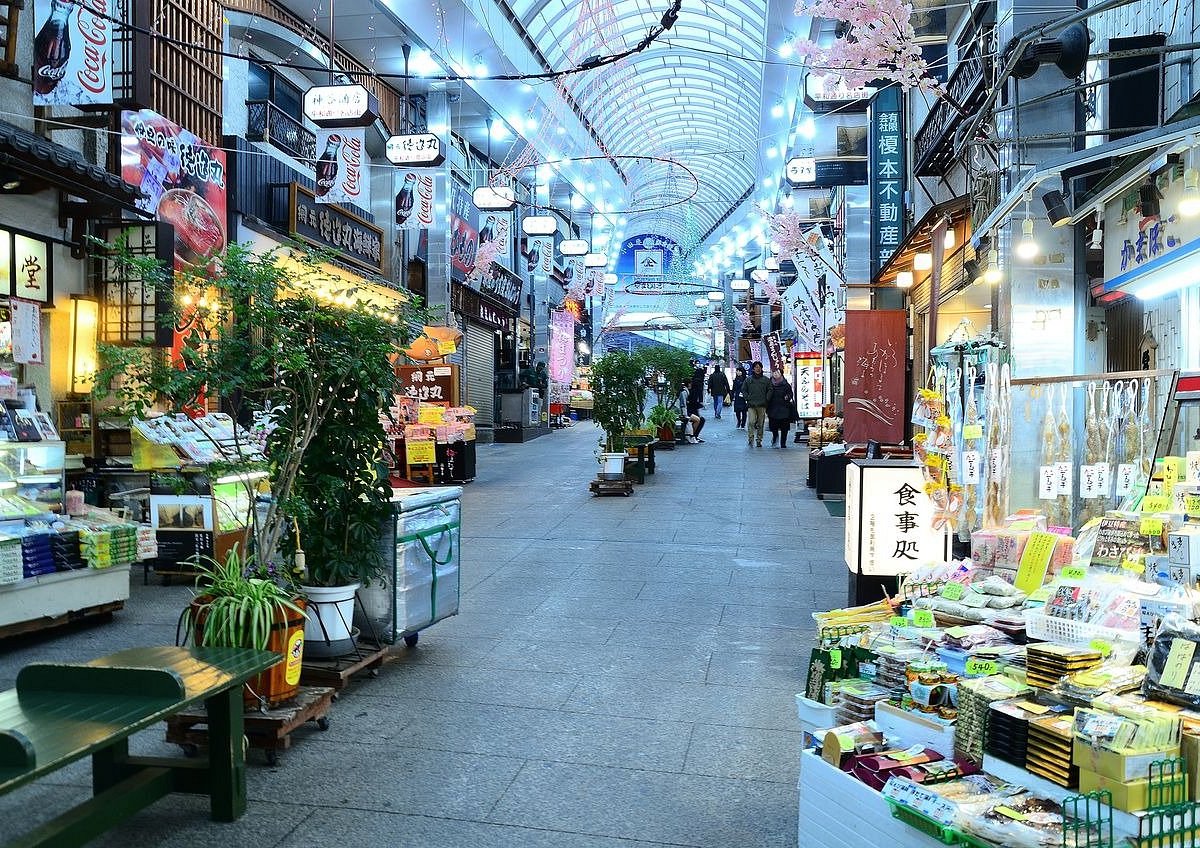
[827, 793]
[54, 596]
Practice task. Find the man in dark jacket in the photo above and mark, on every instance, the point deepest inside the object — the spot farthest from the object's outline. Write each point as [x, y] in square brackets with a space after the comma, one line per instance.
[696, 389]
[718, 387]
[757, 390]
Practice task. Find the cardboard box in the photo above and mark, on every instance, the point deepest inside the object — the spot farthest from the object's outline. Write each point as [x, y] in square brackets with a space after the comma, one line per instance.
[1128, 796]
[1183, 547]
[1121, 766]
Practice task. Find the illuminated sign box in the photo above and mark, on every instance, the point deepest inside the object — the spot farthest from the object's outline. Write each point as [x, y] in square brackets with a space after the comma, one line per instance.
[889, 519]
[334, 106]
[494, 198]
[420, 150]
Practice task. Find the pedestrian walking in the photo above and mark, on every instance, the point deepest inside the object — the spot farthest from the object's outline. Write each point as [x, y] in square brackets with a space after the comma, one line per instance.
[757, 389]
[689, 412]
[739, 397]
[718, 387]
[780, 408]
[696, 389]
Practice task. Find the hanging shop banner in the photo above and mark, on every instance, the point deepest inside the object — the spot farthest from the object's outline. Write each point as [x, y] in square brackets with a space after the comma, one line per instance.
[804, 309]
[26, 331]
[887, 176]
[29, 273]
[774, 350]
[464, 233]
[182, 180]
[756, 353]
[341, 177]
[875, 375]
[810, 384]
[538, 254]
[356, 240]
[562, 346]
[72, 52]
[415, 200]
[889, 519]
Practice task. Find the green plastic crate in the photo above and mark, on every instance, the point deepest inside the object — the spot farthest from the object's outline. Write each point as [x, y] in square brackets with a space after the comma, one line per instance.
[924, 823]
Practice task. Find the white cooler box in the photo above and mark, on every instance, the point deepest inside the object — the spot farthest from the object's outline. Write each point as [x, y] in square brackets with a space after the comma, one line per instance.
[421, 543]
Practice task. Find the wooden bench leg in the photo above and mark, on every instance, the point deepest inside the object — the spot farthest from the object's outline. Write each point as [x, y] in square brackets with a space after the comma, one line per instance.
[226, 758]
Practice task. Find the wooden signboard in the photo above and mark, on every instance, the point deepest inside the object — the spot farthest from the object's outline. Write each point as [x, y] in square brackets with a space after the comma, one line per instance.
[433, 383]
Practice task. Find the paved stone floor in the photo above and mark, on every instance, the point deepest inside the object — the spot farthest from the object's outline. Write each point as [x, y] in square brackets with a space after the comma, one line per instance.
[621, 674]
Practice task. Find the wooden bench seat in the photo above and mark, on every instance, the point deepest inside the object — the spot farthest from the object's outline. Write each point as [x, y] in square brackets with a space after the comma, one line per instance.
[60, 713]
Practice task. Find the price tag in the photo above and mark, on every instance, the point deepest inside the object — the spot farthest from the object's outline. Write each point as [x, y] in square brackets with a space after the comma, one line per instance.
[1087, 482]
[953, 591]
[1125, 476]
[1179, 660]
[1173, 470]
[1191, 505]
[1192, 463]
[898, 621]
[1035, 559]
[835, 658]
[970, 467]
[1103, 479]
[1134, 565]
[1155, 503]
[972, 431]
[1074, 572]
[923, 618]
[1011, 813]
[1047, 483]
[995, 461]
[1100, 645]
[1152, 527]
[1063, 478]
[981, 668]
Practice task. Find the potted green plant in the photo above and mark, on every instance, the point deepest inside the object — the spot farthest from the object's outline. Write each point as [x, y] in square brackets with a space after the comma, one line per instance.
[662, 418]
[235, 607]
[618, 386]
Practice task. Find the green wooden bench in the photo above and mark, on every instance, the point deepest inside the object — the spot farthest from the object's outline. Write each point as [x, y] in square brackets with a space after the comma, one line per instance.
[61, 713]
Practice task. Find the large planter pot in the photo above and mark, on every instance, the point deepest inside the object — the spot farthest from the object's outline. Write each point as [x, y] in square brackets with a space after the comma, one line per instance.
[612, 466]
[666, 434]
[279, 683]
[329, 632]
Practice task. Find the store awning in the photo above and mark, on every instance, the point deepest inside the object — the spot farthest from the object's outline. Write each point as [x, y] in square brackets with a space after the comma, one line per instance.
[920, 238]
[29, 163]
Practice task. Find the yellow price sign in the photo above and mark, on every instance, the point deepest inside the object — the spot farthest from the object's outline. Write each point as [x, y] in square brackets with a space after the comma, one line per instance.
[429, 413]
[1155, 503]
[1152, 527]
[1105, 648]
[1035, 560]
[972, 431]
[423, 452]
[923, 618]
[1074, 572]
[981, 668]
[953, 591]
[898, 621]
[1191, 505]
[1134, 565]
[835, 659]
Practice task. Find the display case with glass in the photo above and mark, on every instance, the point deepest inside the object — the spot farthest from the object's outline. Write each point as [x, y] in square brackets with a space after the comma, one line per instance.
[31, 472]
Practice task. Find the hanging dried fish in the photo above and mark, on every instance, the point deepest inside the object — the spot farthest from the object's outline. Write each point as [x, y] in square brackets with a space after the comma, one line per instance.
[1063, 453]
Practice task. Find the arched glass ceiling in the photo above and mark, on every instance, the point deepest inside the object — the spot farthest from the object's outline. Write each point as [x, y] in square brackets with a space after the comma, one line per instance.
[693, 96]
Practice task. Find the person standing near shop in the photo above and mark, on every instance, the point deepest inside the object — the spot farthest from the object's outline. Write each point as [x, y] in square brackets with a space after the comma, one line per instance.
[718, 387]
[689, 412]
[696, 389]
[757, 389]
[780, 408]
[739, 397]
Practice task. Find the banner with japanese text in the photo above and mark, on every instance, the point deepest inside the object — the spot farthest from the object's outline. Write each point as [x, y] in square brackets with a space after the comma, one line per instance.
[72, 52]
[876, 353]
[562, 346]
[886, 176]
[341, 175]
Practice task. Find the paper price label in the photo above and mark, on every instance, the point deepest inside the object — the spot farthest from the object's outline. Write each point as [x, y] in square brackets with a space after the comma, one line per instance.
[1125, 475]
[1103, 479]
[982, 668]
[1191, 505]
[1011, 813]
[970, 467]
[1174, 470]
[952, 591]
[1074, 572]
[1152, 527]
[1155, 503]
[972, 431]
[1134, 565]
[1100, 645]
[1192, 464]
[1087, 482]
[835, 659]
[898, 621]
[1063, 478]
[923, 618]
[1047, 483]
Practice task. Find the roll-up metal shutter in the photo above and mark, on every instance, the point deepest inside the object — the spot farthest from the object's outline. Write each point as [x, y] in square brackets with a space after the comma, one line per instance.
[480, 381]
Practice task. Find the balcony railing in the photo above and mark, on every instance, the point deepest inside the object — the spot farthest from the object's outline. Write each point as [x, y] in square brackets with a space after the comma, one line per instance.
[267, 122]
[932, 148]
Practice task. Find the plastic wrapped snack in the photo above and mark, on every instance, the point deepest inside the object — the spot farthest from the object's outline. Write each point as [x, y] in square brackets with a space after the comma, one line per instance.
[1021, 821]
[1173, 667]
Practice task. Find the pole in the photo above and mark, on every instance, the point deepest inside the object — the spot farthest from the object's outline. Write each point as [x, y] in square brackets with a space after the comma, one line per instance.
[331, 43]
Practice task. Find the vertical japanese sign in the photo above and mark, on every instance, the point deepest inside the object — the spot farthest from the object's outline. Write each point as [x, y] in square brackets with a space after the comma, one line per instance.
[341, 177]
[464, 233]
[886, 176]
[31, 267]
[889, 520]
[809, 384]
[26, 331]
[774, 351]
[415, 199]
[562, 346]
[875, 370]
[72, 52]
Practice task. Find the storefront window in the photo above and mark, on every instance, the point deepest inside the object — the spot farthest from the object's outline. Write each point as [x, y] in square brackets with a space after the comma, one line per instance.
[967, 314]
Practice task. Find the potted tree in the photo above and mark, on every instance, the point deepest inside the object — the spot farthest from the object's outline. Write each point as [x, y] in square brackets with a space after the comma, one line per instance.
[619, 390]
[236, 608]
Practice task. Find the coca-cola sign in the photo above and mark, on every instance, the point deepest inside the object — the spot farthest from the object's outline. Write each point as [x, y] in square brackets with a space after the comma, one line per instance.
[415, 199]
[341, 175]
[72, 52]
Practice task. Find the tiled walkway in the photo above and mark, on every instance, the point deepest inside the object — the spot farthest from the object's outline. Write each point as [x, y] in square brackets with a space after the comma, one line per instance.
[621, 675]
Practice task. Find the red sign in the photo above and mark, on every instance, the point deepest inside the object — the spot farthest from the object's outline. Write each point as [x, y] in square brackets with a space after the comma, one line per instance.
[340, 177]
[464, 233]
[876, 366]
[72, 52]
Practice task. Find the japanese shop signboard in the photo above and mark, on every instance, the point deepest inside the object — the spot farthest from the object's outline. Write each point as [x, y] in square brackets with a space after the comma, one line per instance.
[810, 379]
[876, 349]
[1135, 244]
[889, 519]
[337, 106]
[72, 52]
[433, 383]
[417, 150]
[886, 156]
[352, 238]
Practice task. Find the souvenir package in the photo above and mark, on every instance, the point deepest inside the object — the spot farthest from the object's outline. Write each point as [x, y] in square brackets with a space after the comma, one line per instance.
[975, 698]
[1173, 667]
[1021, 821]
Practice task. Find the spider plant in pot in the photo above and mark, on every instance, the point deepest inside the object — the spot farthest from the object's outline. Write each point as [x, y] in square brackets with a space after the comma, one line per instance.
[662, 418]
[239, 605]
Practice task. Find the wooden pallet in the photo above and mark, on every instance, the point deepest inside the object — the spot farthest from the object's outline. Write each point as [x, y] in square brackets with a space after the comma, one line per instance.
[611, 487]
[336, 672]
[100, 611]
[269, 731]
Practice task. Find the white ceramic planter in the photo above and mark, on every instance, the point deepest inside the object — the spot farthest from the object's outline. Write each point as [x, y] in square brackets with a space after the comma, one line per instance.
[328, 630]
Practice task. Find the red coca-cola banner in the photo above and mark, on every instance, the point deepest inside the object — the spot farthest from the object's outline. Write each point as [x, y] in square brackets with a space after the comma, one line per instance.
[415, 199]
[72, 52]
[876, 364]
[341, 167]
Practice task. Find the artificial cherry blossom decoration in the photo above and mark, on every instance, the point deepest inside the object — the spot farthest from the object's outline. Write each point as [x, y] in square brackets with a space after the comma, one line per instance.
[485, 257]
[879, 43]
[743, 319]
[771, 292]
[787, 230]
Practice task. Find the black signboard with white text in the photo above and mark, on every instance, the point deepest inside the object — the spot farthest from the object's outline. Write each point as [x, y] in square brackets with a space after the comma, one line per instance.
[887, 176]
